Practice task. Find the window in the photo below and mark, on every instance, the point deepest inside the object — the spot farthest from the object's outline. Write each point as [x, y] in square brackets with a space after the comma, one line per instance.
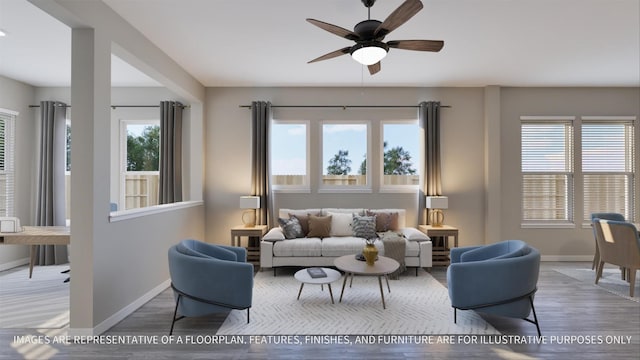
[289, 156]
[139, 163]
[547, 170]
[400, 155]
[7, 169]
[344, 156]
[608, 166]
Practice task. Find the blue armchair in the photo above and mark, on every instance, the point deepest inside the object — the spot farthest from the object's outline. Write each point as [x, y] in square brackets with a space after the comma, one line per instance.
[499, 279]
[209, 279]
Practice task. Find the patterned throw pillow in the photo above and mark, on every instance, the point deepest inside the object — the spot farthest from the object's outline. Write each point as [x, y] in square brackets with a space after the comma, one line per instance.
[364, 226]
[291, 228]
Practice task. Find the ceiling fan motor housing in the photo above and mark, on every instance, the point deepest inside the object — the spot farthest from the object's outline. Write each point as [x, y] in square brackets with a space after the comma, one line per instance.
[366, 29]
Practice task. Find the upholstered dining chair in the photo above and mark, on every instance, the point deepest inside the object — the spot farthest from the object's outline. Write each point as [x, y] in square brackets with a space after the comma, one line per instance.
[603, 216]
[499, 279]
[619, 244]
[208, 278]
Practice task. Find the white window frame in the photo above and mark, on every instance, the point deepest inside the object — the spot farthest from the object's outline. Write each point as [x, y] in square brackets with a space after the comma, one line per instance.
[327, 189]
[630, 213]
[123, 158]
[420, 159]
[570, 221]
[9, 117]
[305, 187]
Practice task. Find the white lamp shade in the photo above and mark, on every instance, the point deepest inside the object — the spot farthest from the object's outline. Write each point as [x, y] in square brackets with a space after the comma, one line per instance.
[249, 202]
[437, 202]
[369, 55]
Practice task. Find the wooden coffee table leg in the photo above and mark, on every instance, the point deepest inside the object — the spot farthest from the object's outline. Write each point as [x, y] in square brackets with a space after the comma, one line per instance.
[343, 285]
[330, 293]
[381, 291]
[300, 291]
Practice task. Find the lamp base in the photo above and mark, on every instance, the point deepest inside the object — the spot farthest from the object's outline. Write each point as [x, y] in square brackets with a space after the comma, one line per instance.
[436, 218]
[249, 218]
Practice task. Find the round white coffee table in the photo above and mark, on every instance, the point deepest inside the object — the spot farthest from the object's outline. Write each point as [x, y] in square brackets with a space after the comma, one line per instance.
[304, 278]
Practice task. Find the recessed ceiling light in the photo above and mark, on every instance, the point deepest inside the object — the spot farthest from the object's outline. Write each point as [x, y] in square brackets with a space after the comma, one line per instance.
[2, 33]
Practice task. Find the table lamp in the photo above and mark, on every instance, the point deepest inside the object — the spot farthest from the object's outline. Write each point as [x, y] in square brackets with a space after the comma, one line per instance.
[250, 203]
[436, 204]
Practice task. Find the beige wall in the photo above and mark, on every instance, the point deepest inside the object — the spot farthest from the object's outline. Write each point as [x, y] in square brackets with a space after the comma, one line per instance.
[228, 150]
[480, 154]
[567, 244]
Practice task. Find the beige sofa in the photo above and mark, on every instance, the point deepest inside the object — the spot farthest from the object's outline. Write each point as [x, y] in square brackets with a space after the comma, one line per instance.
[276, 250]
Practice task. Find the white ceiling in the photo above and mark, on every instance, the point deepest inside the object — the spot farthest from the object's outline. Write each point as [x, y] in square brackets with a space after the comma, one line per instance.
[267, 43]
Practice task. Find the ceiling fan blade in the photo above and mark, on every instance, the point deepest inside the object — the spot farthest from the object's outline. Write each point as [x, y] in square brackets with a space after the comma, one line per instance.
[374, 68]
[332, 54]
[417, 45]
[398, 17]
[334, 29]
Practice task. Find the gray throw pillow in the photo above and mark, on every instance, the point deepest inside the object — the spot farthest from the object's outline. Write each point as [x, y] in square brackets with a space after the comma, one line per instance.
[364, 226]
[291, 228]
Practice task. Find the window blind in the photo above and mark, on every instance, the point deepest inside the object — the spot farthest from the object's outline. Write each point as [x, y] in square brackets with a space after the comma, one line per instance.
[547, 171]
[608, 166]
[7, 165]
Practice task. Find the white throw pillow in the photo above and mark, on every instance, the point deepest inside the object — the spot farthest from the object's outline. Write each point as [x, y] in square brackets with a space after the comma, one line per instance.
[341, 224]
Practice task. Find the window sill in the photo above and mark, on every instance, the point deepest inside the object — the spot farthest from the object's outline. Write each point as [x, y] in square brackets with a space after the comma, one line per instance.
[151, 210]
[292, 190]
[548, 226]
[345, 190]
[399, 189]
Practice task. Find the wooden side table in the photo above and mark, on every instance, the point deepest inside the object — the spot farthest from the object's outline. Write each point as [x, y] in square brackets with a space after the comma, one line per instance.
[253, 250]
[441, 251]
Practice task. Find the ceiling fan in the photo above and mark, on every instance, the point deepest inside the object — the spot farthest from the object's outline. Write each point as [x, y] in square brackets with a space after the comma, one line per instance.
[368, 35]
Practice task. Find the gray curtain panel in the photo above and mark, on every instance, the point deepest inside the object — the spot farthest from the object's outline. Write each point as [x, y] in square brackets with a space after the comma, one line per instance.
[429, 117]
[260, 179]
[50, 192]
[170, 186]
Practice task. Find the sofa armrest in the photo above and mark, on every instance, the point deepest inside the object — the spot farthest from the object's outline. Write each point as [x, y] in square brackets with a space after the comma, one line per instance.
[266, 254]
[275, 234]
[426, 254]
[414, 234]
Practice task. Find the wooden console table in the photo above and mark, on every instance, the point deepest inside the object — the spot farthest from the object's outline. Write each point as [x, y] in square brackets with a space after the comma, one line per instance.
[37, 235]
[441, 251]
[253, 250]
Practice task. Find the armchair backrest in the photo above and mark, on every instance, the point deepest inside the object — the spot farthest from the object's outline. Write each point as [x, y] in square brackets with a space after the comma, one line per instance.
[501, 250]
[618, 242]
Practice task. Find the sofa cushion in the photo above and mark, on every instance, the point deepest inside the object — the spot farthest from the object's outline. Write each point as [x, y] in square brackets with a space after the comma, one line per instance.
[303, 217]
[385, 220]
[291, 228]
[319, 226]
[342, 245]
[298, 247]
[341, 224]
[364, 226]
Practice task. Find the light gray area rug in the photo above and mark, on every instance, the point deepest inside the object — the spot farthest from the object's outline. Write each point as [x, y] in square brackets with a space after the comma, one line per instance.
[416, 305]
[41, 302]
[611, 281]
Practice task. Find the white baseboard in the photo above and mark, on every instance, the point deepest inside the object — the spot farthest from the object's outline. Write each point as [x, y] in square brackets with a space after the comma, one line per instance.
[122, 314]
[14, 263]
[567, 258]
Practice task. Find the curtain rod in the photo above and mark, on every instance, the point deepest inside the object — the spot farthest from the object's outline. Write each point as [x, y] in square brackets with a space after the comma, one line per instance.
[117, 106]
[344, 107]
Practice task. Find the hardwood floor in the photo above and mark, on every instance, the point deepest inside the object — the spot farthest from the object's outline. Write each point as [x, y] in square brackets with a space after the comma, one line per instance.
[565, 306]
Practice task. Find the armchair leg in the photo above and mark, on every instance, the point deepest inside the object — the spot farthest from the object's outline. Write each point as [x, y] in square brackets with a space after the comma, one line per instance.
[455, 315]
[175, 312]
[535, 318]
[248, 315]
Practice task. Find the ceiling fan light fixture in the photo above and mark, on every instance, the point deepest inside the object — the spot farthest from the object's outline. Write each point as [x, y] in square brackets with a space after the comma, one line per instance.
[369, 53]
